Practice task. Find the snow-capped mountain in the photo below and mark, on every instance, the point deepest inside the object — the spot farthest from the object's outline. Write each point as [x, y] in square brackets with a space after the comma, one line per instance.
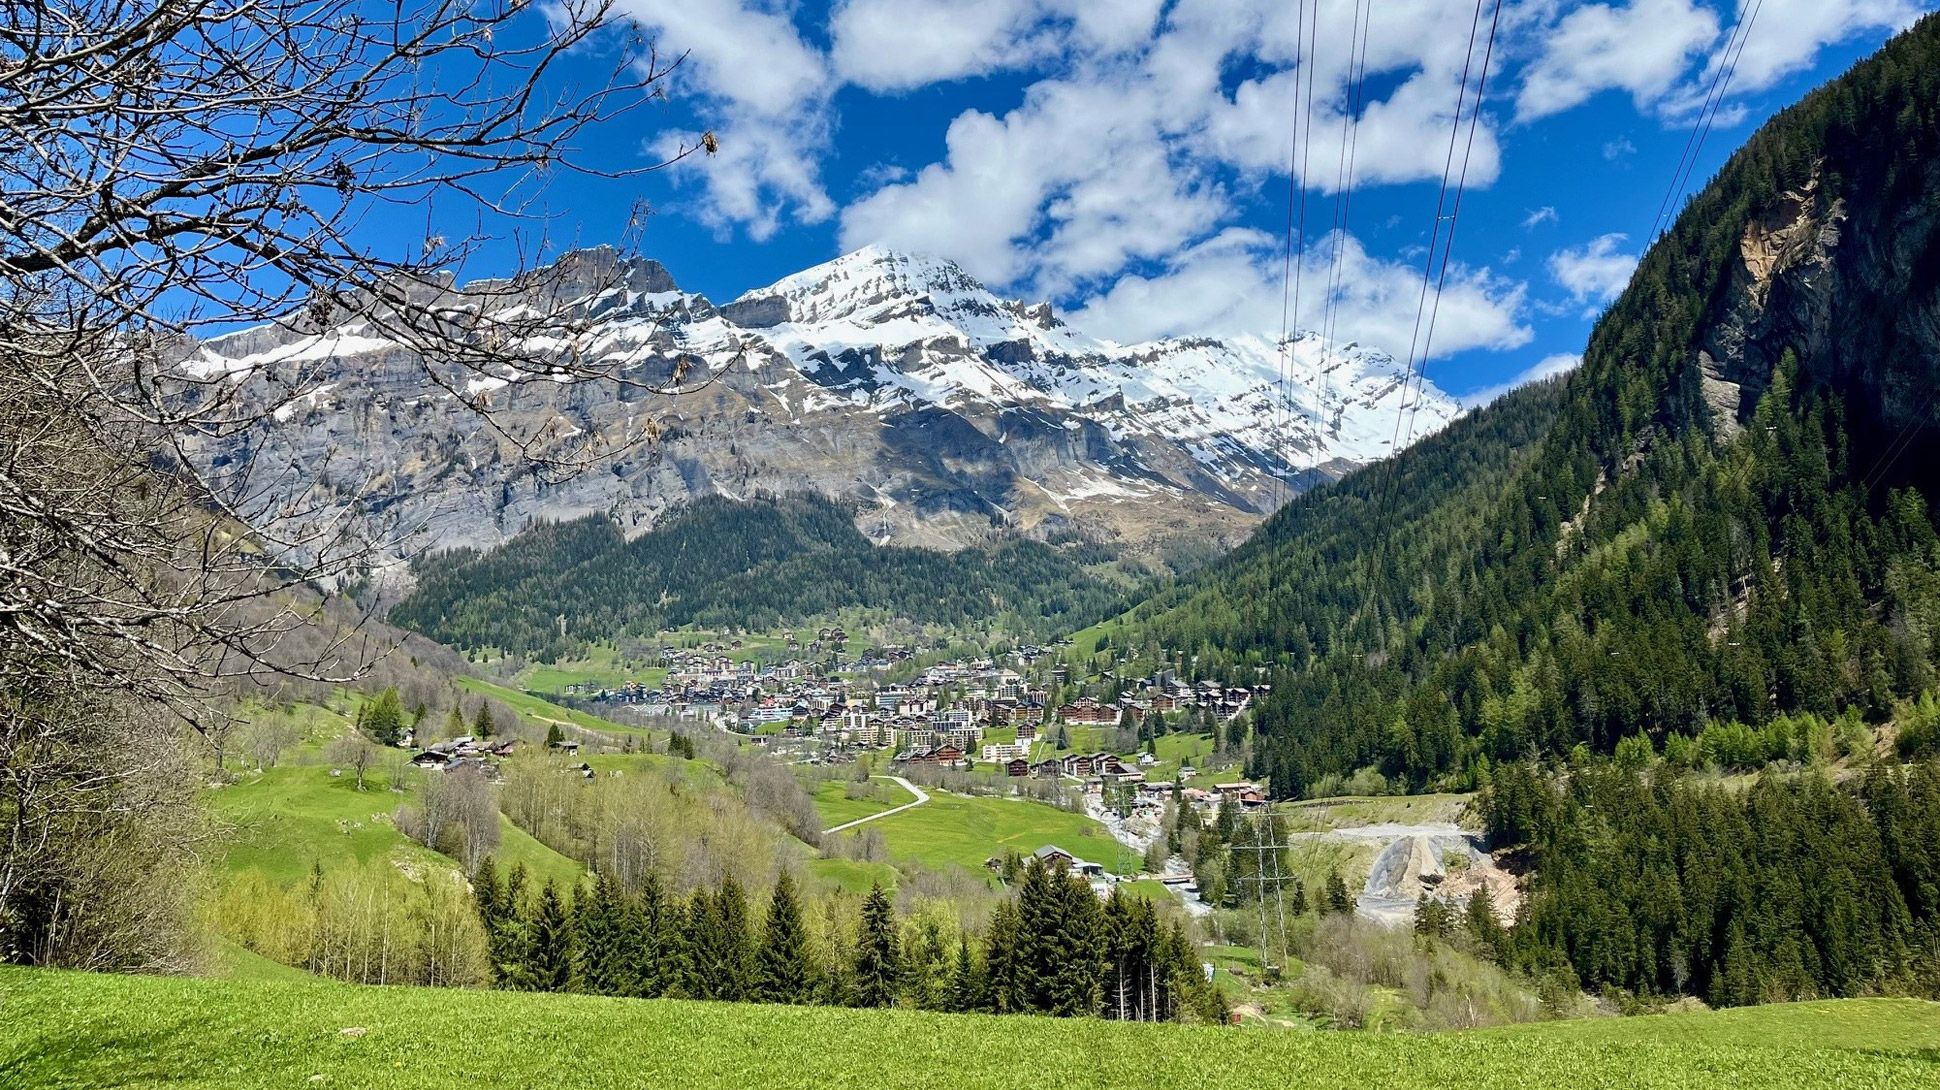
[897, 381]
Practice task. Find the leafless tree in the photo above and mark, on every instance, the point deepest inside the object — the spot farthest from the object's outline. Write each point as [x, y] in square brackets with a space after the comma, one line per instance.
[173, 169]
[355, 752]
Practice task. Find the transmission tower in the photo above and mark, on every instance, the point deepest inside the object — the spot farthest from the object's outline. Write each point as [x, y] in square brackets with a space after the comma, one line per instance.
[1268, 881]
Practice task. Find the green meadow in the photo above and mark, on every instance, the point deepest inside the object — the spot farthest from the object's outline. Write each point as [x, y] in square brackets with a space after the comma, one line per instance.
[67, 1031]
[969, 829]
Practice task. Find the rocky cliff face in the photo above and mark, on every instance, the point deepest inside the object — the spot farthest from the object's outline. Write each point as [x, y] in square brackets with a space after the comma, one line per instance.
[1848, 280]
[945, 414]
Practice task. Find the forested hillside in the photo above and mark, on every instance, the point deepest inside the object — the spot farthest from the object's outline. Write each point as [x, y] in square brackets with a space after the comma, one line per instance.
[1726, 524]
[735, 564]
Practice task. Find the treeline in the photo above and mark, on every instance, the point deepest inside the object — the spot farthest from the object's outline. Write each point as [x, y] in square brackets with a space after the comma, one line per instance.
[720, 563]
[1661, 883]
[366, 924]
[1612, 555]
[1054, 948]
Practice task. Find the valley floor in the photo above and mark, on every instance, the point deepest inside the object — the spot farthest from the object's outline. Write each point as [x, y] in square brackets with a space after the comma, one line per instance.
[63, 1031]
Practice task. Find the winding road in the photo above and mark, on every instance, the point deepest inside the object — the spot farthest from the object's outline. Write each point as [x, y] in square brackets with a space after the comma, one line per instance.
[921, 798]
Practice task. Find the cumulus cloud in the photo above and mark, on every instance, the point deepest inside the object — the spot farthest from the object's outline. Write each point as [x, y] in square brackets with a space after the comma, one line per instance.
[1642, 47]
[899, 45]
[1595, 271]
[766, 92]
[1788, 35]
[1547, 367]
[1072, 185]
[1232, 283]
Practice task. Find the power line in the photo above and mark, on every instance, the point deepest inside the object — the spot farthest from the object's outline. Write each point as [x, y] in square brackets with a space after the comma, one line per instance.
[1434, 236]
[1454, 217]
[1281, 409]
[1714, 97]
[1344, 187]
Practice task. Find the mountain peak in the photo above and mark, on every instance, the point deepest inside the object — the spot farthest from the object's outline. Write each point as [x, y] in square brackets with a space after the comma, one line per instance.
[862, 285]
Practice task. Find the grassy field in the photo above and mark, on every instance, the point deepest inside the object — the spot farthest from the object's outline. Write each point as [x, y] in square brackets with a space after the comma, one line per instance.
[1897, 1025]
[832, 801]
[65, 1031]
[295, 816]
[542, 711]
[967, 830]
[1348, 811]
[601, 667]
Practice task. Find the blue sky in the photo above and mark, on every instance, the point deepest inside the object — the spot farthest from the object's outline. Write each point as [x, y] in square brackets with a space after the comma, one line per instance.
[1128, 159]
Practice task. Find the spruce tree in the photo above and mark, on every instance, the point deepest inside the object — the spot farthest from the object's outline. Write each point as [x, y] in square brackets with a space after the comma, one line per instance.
[1338, 899]
[1007, 976]
[735, 939]
[650, 949]
[549, 958]
[454, 722]
[966, 993]
[383, 718]
[878, 960]
[784, 968]
[702, 946]
[482, 724]
[599, 935]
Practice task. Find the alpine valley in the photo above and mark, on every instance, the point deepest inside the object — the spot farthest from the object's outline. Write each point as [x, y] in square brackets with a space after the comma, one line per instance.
[940, 414]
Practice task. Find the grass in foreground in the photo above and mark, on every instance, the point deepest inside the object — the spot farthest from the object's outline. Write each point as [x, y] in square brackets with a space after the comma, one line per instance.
[71, 1030]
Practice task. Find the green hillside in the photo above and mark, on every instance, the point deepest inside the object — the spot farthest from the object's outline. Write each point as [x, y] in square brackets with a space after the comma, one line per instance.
[1723, 517]
[68, 1030]
[741, 564]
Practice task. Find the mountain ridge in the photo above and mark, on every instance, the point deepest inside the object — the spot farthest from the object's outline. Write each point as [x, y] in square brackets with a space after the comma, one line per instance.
[951, 414]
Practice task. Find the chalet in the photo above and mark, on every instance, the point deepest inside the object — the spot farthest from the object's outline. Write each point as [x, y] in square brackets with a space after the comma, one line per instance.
[1049, 769]
[1052, 855]
[1017, 766]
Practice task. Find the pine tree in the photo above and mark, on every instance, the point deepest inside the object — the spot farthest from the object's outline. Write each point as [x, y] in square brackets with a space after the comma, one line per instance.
[647, 945]
[1008, 978]
[383, 718]
[454, 722]
[1338, 899]
[735, 952]
[599, 932]
[785, 970]
[482, 724]
[878, 961]
[1040, 912]
[967, 991]
[702, 946]
[550, 953]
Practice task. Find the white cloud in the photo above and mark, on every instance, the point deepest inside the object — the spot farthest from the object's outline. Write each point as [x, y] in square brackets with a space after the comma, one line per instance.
[1547, 367]
[1642, 47]
[896, 45]
[1232, 283]
[1539, 216]
[1787, 37]
[736, 53]
[765, 93]
[899, 45]
[1594, 271]
[1618, 148]
[1070, 186]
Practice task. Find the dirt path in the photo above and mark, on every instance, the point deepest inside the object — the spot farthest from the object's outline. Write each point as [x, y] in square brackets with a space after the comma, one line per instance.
[921, 798]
